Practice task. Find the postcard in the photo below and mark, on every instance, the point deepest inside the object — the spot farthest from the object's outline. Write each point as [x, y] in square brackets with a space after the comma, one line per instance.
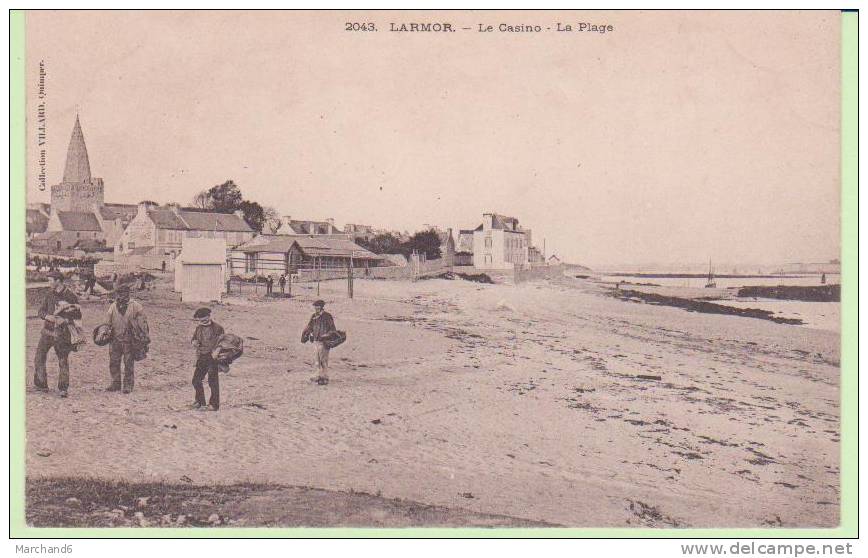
[412, 269]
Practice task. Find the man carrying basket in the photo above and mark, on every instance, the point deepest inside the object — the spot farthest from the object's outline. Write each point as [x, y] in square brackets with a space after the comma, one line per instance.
[129, 339]
[321, 331]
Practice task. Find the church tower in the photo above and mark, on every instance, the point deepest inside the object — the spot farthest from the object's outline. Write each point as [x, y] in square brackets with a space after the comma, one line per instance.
[78, 191]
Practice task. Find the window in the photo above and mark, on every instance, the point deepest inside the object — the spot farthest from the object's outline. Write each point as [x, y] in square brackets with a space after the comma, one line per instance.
[488, 242]
[250, 262]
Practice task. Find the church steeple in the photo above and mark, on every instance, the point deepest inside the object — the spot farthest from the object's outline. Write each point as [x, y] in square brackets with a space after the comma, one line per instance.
[77, 169]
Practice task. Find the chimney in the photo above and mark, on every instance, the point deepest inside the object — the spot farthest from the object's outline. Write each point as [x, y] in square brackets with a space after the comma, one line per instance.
[330, 221]
[487, 221]
[144, 207]
[284, 225]
[238, 213]
[175, 207]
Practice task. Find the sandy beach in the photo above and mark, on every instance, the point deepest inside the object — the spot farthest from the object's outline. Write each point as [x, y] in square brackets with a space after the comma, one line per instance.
[520, 401]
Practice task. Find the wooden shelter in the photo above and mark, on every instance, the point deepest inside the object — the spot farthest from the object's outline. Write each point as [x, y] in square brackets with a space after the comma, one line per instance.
[200, 272]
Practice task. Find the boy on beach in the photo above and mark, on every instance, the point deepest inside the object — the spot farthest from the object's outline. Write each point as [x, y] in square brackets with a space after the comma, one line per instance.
[205, 340]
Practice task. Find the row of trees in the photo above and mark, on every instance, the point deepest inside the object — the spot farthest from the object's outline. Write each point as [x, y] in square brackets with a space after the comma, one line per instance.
[227, 198]
[422, 242]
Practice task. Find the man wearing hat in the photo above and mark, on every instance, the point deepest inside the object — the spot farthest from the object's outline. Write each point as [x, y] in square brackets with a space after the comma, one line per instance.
[129, 333]
[320, 324]
[55, 335]
[205, 339]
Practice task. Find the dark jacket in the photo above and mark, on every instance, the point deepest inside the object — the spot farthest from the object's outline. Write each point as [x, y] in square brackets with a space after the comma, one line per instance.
[49, 307]
[207, 337]
[317, 327]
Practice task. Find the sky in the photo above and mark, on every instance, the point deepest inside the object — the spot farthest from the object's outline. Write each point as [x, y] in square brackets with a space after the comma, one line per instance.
[676, 138]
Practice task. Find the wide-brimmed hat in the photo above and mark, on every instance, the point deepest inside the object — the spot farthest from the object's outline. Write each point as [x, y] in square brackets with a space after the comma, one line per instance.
[319, 304]
[122, 290]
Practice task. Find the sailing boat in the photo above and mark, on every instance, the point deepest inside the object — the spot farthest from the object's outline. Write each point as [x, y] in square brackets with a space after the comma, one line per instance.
[710, 284]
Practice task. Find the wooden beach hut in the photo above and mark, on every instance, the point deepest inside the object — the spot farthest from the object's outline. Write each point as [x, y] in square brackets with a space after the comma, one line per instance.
[200, 269]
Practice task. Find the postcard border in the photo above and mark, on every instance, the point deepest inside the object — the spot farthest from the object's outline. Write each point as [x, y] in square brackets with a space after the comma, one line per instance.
[848, 527]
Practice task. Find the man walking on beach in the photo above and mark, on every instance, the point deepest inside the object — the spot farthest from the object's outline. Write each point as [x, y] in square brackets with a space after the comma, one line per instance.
[130, 335]
[55, 335]
[320, 324]
[205, 340]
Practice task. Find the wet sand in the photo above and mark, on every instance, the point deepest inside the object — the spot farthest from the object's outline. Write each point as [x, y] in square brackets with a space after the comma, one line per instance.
[519, 401]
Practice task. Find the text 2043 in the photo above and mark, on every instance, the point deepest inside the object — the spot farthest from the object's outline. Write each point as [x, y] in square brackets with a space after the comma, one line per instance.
[360, 27]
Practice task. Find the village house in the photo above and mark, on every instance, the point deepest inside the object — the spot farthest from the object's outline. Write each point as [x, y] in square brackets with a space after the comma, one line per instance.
[66, 228]
[360, 231]
[290, 226]
[276, 254]
[499, 243]
[535, 255]
[159, 230]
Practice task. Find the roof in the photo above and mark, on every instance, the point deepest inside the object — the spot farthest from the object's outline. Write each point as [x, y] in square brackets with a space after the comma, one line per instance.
[78, 221]
[310, 246]
[112, 211]
[313, 246]
[268, 243]
[167, 219]
[209, 221]
[77, 169]
[37, 222]
[502, 222]
[312, 227]
[189, 220]
[203, 251]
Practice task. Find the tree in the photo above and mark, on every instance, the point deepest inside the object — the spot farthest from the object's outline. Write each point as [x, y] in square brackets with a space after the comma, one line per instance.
[272, 220]
[384, 243]
[226, 197]
[423, 242]
[222, 198]
[201, 200]
[254, 214]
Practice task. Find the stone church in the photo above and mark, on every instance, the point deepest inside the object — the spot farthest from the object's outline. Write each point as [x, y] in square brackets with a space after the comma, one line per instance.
[78, 217]
[79, 220]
